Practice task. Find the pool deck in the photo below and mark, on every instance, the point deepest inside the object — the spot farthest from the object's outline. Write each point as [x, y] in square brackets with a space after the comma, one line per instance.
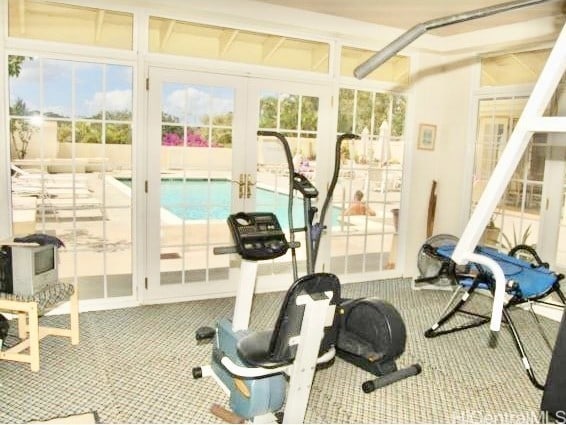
[101, 231]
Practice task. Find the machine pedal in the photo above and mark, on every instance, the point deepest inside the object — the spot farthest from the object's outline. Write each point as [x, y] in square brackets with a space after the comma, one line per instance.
[205, 334]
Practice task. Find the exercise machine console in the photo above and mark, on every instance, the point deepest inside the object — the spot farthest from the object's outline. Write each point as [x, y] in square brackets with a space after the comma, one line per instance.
[257, 235]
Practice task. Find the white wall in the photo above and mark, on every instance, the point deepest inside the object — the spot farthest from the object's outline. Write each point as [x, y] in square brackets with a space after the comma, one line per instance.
[441, 93]
[5, 195]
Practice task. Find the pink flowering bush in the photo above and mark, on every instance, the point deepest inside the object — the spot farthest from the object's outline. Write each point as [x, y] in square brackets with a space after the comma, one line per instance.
[194, 140]
[171, 139]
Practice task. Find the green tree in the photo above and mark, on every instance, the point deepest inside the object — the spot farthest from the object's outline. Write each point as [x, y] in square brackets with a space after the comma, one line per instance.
[20, 129]
[118, 134]
[88, 132]
[15, 65]
[268, 112]
[399, 112]
[309, 113]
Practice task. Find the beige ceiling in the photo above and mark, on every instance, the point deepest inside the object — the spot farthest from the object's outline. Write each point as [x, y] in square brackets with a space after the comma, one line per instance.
[406, 13]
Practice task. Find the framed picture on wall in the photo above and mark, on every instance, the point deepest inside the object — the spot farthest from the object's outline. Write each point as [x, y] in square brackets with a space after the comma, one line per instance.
[427, 136]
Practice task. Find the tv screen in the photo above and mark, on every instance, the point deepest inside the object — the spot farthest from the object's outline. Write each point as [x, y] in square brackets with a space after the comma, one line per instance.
[44, 260]
[33, 268]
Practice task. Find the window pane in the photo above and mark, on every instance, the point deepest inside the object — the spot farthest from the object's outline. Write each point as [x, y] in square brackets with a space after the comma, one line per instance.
[197, 137]
[346, 111]
[513, 68]
[222, 106]
[118, 99]
[21, 132]
[89, 89]
[171, 135]
[398, 115]
[75, 159]
[24, 85]
[119, 134]
[88, 132]
[65, 23]
[394, 70]
[289, 112]
[221, 138]
[363, 111]
[309, 113]
[174, 101]
[57, 93]
[268, 110]
[373, 167]
[380, 111]
[206, 41]
[64, 131]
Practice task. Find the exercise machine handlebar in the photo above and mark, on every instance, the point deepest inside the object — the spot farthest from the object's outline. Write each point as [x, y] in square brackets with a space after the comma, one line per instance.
[337, 157]
[289, 157]
[222, 250]
[317, 230]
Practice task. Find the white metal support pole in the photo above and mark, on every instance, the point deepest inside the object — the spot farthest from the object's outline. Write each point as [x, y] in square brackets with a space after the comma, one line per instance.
[244, 295]
[531, 120]
[302, 372]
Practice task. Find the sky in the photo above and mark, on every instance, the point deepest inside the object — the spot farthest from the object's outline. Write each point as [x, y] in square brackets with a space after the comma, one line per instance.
[189, 102]
[92, 85]
[49, 85]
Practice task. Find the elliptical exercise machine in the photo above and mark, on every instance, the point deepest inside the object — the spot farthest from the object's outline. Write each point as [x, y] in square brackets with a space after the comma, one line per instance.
[250, 366]
[372, 334]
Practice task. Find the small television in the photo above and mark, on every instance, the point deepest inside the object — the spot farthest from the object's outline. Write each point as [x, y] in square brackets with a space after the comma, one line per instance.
[33, 267]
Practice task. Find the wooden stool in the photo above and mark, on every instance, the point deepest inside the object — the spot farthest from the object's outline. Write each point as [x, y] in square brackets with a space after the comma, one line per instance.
[28, 309]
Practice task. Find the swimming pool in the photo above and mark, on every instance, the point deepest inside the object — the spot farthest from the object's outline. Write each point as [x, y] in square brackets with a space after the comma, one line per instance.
[200, 199]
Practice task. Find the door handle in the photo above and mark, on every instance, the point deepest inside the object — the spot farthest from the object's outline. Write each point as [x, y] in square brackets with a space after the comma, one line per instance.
[241, 186]
[249, 184]
[245, 183]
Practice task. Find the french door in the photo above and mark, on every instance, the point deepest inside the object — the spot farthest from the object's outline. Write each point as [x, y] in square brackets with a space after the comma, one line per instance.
[206, 161]
[531, 211]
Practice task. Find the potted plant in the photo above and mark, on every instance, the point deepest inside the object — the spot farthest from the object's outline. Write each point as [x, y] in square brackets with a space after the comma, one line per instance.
[490, 236]
[518, 239]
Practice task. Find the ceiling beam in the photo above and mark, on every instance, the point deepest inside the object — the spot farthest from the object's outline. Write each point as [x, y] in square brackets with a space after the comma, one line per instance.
[400, 77]
[227, 39]
[488, 76]
[167, 33]
[271, 45]
[22, 15]
[98, 26]
[319, 56]
[522, 64]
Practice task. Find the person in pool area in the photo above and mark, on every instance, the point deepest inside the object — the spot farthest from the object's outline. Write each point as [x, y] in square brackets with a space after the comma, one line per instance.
[359, 207]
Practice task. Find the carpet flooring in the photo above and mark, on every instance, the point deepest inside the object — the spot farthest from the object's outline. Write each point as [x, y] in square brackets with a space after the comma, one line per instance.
[82, 419]
[134, 366]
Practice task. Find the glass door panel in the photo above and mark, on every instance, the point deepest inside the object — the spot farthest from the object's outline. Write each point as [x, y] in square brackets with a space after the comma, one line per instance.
[295, 111]
[367, 198]
[195, 140]
[554, 193]
[70, 135]
[517, 217]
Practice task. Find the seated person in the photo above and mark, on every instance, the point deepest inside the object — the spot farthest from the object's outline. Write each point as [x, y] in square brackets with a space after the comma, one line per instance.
[359, 207]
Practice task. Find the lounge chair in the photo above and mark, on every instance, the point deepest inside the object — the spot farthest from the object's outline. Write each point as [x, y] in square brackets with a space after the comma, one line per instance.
[56, 206]
[44, 185]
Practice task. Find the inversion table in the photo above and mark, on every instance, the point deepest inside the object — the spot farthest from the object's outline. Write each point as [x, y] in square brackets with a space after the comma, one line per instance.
[528, 279]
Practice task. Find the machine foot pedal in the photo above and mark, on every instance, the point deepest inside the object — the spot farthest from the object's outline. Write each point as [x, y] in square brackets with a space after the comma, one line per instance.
[197, 372]
[226, 415]
[370, 386]
[205, 334]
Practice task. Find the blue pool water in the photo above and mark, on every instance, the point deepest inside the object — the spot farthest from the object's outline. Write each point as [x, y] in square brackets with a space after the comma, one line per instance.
[201, 199]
